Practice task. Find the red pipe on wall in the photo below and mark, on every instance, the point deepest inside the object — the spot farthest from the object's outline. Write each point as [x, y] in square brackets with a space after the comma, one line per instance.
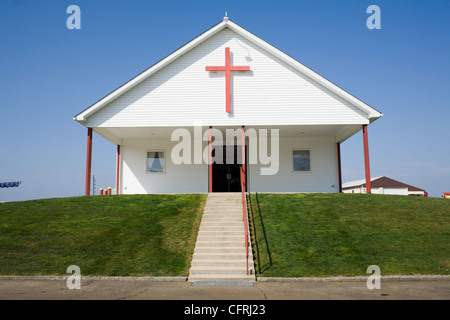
[339, 166]
[88, 163]
[210, 161]
[118, 169]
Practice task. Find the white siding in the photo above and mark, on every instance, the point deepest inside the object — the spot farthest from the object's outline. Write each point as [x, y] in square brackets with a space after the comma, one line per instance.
[323, 176]
[377, 190]
[355, 190]
[183, 93]
[398, 191]
[176, 179]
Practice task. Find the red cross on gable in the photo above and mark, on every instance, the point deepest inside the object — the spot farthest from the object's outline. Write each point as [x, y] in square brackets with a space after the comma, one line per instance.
[228, 68]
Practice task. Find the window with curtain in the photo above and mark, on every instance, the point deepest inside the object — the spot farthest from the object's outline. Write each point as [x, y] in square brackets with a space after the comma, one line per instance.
[155, 161]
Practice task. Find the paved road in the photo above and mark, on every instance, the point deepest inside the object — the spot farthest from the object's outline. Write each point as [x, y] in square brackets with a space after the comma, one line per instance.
[151, 290]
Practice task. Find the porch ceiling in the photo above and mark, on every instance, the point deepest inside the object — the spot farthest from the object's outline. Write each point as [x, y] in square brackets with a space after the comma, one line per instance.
[116, 134]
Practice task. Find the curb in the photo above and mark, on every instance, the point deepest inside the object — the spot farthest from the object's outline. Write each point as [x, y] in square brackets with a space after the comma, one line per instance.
[63, 278]
[357, 278]
[259, 279]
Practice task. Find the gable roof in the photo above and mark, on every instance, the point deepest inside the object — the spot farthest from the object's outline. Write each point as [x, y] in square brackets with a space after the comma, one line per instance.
[372, 114]
[383, 182]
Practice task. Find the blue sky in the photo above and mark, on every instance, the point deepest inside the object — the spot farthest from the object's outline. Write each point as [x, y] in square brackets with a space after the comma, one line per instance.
[50, 73]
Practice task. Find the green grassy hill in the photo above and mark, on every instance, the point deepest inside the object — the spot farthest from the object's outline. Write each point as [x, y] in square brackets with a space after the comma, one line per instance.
[136, 235]
[301, 235]
[294, 235]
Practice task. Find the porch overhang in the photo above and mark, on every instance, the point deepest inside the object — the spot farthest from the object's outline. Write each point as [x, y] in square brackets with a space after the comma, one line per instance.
[340, 132]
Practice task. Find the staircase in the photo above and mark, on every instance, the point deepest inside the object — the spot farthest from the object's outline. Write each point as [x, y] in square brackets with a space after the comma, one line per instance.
[219, 253]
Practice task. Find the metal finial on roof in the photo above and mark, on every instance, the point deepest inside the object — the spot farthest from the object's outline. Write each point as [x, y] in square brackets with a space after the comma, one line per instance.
[226, 17]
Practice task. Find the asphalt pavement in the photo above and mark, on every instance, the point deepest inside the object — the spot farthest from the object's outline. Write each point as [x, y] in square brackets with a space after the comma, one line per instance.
[135, 289]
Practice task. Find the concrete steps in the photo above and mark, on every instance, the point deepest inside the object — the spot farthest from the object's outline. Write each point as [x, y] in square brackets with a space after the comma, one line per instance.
[219, 253]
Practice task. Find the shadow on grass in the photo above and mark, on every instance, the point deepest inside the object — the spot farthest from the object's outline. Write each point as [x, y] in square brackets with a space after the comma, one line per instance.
[258, 235]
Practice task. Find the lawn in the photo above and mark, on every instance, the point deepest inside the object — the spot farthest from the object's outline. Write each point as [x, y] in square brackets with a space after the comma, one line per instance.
[293, 235]
[126, 235]
[302, 235]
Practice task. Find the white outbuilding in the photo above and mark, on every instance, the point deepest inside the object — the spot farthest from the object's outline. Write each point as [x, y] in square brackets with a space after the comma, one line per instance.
[383, 185]
[224, 109]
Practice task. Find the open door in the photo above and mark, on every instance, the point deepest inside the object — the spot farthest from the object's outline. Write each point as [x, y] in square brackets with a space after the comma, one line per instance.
[227, 175]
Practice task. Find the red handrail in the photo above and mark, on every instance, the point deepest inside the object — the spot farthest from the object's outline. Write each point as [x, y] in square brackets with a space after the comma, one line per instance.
[244, 215]
[243, 189]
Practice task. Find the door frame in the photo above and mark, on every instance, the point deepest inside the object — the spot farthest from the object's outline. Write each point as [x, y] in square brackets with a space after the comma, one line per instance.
[247, 167]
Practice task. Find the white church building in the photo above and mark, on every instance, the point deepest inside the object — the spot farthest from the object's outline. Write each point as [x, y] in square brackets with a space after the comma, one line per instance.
[223, 103]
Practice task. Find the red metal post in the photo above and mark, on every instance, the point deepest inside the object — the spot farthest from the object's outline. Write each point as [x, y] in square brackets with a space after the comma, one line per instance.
[366, 159]
[101, 191]
[243, 157]
[118, 169]
[88, 163]
[210, 161]
[339, 166]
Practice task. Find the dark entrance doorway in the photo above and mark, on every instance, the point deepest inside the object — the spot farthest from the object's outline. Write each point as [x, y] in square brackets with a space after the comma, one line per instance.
[227, 175]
